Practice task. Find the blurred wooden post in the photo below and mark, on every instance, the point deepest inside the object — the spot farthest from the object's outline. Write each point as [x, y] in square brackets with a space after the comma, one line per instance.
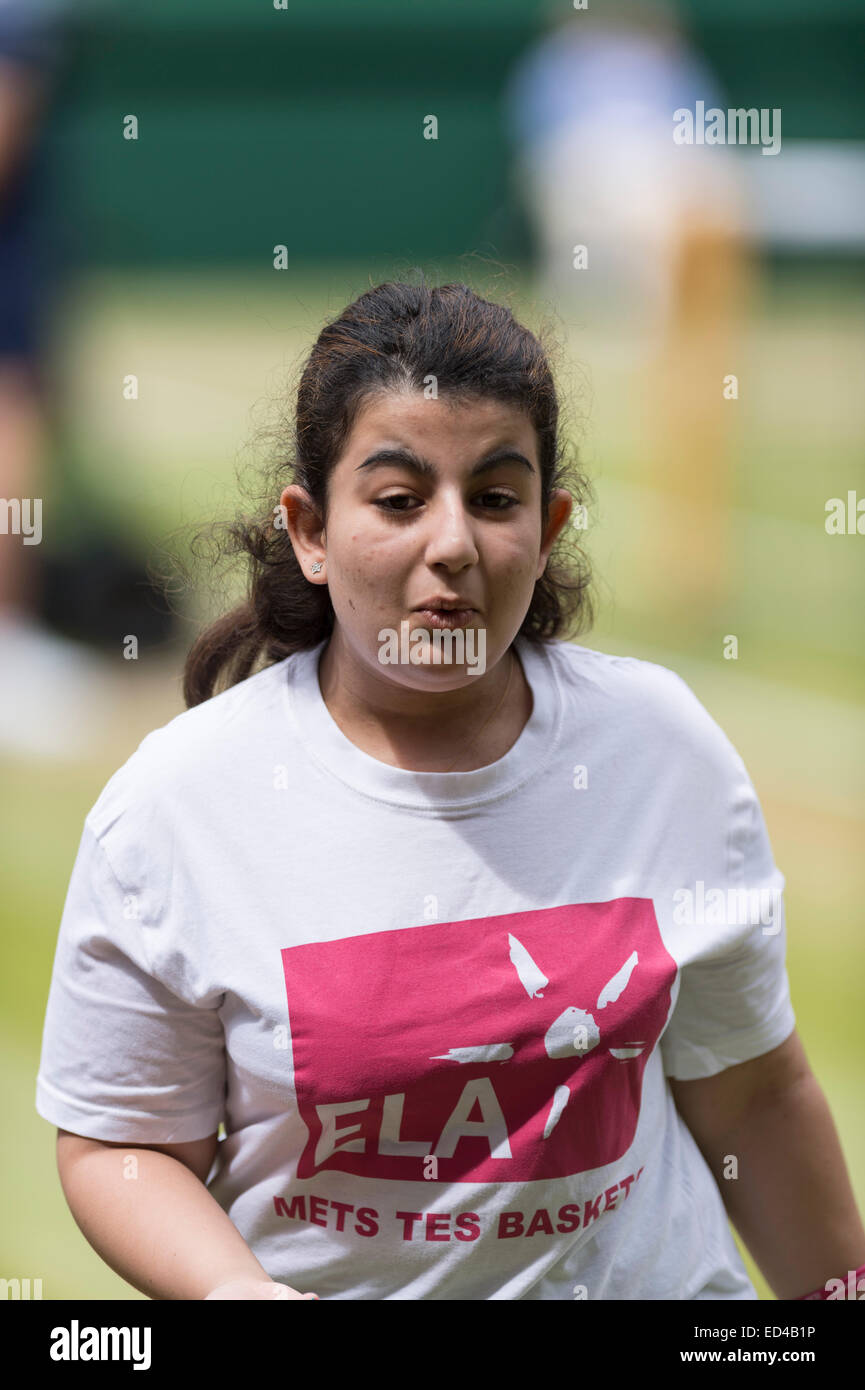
[690, 427]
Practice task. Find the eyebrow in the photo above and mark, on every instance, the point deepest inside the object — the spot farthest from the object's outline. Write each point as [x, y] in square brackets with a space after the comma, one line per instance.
[407, 458]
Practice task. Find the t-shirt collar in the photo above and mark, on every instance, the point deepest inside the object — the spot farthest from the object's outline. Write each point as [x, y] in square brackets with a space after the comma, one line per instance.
[325, 741]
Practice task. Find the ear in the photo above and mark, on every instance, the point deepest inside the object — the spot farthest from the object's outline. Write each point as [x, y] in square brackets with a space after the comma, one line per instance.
[561, 506]
[303, 522]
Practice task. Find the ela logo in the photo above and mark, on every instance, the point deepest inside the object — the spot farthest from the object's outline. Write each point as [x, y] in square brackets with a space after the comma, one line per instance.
[494, 1044]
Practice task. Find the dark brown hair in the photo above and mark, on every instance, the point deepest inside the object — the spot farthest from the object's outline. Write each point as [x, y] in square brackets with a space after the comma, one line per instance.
[395, 336]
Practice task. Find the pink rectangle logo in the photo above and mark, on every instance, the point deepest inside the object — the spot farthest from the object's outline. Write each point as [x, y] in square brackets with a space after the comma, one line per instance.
[509, 1048]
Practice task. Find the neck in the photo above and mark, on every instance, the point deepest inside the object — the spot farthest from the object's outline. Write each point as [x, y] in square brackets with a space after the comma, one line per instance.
[424, 730]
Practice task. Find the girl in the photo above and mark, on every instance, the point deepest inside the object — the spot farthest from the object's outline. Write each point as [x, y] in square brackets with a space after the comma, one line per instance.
[470, 937]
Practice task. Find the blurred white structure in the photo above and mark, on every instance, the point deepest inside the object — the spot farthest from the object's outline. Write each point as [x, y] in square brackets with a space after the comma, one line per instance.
[812, 198]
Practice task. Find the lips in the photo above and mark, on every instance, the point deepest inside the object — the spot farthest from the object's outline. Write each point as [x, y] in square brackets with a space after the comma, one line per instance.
[446, 611]
[441, 603]
[446, 617]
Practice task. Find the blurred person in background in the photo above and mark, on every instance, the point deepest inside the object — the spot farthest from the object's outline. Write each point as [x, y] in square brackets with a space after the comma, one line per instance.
[49, 686]
[662, 275]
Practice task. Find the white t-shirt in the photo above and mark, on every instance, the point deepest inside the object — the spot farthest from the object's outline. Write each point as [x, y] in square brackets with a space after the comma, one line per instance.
[435, 1011]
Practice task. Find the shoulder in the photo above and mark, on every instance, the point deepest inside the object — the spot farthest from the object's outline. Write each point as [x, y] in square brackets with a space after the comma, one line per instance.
[202, 748]
[641, 703]
[625, 680]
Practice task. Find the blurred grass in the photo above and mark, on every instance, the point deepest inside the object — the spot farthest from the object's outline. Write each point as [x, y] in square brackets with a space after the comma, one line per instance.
[209, 354]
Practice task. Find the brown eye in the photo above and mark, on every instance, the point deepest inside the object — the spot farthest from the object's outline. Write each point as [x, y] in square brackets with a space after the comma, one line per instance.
[384, 502]
[501, 502]
[502, 497]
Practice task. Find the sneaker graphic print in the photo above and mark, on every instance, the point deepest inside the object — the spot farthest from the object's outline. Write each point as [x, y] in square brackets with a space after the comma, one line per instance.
[512, 1048]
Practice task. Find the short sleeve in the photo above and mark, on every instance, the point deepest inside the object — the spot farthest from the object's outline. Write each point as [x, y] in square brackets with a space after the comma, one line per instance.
[734, 995]
[123, 1057]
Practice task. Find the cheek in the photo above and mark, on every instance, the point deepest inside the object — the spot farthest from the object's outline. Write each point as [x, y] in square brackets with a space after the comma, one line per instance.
[370, 566]
[514, 566]
[517, 546]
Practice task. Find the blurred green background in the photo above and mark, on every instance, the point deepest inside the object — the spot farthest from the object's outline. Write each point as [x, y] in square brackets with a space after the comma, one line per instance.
[260, 127]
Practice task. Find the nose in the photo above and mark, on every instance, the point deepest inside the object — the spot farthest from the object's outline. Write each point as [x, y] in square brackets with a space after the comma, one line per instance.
[451, 539]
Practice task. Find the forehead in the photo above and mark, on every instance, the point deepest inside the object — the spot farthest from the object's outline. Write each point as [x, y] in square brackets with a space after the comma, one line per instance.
[462, 426]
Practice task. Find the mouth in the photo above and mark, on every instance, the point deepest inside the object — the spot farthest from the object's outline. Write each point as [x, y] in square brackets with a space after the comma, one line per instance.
[446, 617]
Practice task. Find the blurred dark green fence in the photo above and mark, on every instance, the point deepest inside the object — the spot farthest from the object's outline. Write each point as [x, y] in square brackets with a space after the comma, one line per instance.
[303, 126]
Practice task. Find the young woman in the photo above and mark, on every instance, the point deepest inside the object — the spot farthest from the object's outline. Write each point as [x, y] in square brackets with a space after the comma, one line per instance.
[477, 952]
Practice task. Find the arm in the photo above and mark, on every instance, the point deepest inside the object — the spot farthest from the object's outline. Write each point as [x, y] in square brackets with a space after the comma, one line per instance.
[160, 1230]
[792, 1202]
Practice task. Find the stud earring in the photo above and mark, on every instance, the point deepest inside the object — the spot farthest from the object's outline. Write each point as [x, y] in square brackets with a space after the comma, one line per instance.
[316, 567]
